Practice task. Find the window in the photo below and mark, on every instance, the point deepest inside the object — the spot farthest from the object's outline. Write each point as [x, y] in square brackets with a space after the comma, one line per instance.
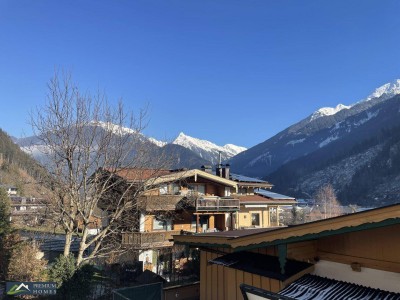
[175, 189]
[162, 224]
[255, 219]
[273, 216]
[242, 191]
[163, 189]
[199, 188]
[194, 221]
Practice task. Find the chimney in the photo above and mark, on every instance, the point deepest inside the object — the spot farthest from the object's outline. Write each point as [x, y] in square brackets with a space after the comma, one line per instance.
[218, 170]
[225, 171]
[206, 168]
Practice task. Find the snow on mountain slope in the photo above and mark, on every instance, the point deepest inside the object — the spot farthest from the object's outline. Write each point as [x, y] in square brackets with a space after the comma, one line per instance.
[157, 142]
[116, 129]
[206, 149]
[386, 91]
[328, 111]
[324, 127]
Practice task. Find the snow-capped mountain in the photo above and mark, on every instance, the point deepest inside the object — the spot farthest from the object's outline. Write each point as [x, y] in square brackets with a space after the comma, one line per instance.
[116, 129]
[383, 92]
[326, 126]
[157, 142]
[328, 111]
[185, 151]
[206, 149]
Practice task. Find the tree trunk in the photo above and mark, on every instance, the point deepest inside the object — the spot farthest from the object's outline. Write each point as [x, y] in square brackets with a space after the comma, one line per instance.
[68, 241]
[82, 247]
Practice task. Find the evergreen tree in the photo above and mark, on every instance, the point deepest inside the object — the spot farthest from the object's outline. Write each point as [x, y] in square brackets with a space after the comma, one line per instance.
[5, 226]
[72, 282]
[5, 229]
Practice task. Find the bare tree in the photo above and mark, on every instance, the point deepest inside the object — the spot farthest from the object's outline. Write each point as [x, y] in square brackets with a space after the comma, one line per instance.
[87, 143]
[326, 204]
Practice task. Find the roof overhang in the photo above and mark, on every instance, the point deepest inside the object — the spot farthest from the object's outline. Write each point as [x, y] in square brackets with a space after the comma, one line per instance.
[370, 219]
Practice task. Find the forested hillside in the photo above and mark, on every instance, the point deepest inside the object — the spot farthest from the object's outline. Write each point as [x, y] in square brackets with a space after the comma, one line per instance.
[19, 169]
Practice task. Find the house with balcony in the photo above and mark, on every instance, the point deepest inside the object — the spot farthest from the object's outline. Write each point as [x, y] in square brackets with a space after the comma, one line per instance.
[259, 207]
[175, 202]
[263, 209]
[189, 202]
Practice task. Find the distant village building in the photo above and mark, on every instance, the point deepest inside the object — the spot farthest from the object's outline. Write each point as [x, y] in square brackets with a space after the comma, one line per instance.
[10, 189]
[27, 210]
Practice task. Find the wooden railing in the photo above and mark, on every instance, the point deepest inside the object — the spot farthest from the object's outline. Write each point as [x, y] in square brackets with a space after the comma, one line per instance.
[143, 240]
[220, 204]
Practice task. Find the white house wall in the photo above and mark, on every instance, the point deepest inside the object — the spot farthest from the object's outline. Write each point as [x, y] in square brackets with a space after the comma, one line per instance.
[388, 281]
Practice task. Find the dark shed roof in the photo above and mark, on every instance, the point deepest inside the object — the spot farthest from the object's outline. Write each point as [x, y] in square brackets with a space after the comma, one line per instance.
[260, 264]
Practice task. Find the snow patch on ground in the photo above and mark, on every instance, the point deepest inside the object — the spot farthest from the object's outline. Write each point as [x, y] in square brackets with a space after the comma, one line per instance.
[328, 140]
[369, 117]
[263, 157]
[295, 142]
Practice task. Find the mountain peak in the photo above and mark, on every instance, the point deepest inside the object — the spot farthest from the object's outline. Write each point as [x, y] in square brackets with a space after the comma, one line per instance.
[387, 90]
[188, 142]
[116, 129]
[328, 111]
[207, 149]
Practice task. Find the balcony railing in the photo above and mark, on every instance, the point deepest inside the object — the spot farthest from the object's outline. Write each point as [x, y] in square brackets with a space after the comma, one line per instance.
[218, 204]
[143, 240]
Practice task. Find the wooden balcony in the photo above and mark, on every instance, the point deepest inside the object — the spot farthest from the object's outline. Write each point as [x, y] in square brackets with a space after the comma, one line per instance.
[147, 240]
[216, 204]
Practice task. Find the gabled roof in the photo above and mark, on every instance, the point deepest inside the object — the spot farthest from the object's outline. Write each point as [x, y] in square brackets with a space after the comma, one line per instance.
[140, 174]
[156, 177]
[373, 218]
[176, 176]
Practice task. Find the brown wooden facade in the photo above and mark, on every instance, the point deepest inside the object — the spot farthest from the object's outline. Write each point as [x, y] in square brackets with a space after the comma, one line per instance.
[193, 200]
[370, 240]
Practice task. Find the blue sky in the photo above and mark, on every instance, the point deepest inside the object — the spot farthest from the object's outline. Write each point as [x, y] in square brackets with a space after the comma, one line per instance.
[227, 71]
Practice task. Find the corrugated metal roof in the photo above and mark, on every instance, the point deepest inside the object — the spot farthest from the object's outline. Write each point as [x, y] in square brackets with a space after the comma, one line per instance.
[272, 195]
[315, 287]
